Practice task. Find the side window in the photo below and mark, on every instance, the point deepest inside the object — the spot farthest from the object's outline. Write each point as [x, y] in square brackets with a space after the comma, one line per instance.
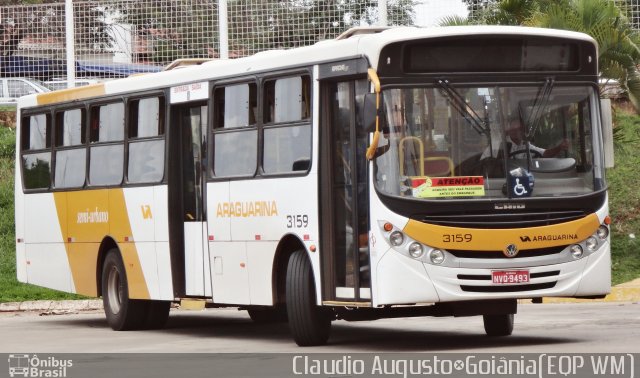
[107, 123]
[71, 153]
[146, 156]
[236, 106]
[36, 157]
[287, 130]
[287, 99]
[235, 133]
[106, 159]
[69, 128]
[19, 88]
[146, 117]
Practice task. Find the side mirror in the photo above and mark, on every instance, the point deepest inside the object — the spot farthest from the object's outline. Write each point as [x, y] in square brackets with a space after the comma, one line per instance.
[369, 110]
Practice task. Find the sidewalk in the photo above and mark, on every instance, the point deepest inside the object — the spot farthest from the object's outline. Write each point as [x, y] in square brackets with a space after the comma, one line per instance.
[626, 292]
[53, 307]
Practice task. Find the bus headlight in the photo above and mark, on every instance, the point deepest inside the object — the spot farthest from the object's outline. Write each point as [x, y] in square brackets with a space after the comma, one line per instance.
[436, 256]
[591, 243]
[576, 251]
[603, 232]
[396, 238]
[415, 250]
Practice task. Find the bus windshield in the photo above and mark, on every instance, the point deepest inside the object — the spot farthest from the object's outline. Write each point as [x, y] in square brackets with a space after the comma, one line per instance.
[447, 142]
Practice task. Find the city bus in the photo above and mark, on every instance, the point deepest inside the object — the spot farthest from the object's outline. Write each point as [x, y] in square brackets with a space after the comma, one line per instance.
[387, 173]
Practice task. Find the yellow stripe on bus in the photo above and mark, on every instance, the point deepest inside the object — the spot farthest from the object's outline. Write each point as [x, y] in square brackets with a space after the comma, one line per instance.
[78, 93]
[497, 239]
[86, 217]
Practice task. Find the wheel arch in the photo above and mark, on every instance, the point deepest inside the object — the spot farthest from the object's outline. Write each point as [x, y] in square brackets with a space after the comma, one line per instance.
[107, 244]
[286, 247]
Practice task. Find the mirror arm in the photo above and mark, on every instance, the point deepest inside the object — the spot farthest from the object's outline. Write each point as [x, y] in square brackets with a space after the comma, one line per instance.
[371, 150]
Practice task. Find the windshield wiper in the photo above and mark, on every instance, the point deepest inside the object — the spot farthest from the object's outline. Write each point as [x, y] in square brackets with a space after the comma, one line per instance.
[539, 106]
[458, 103]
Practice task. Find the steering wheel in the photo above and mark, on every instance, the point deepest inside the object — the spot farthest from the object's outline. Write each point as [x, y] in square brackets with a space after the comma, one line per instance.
[534, 153]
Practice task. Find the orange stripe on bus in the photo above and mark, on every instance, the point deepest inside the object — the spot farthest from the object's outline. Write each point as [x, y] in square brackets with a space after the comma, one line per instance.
[87, 217]
[497, 239]
[78, 93]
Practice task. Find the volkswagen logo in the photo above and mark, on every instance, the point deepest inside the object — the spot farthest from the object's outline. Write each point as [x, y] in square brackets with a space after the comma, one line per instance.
[511, 250]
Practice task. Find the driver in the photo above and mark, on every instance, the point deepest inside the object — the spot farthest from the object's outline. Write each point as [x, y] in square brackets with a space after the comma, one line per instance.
[517, 147]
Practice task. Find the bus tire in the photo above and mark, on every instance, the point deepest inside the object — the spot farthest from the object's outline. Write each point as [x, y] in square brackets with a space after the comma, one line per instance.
[309, 324]
[268, 315]
[157, 314]
[498, 325]
[122, 312]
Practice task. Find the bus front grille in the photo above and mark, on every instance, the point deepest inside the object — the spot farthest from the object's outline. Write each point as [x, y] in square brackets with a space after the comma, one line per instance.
[502, 221]
[470, 254]
[507, 288]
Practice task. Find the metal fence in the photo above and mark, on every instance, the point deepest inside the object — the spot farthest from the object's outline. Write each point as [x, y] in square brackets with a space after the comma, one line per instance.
[116, 38]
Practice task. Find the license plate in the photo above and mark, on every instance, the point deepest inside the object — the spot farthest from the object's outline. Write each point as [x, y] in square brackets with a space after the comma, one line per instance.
[510, 276]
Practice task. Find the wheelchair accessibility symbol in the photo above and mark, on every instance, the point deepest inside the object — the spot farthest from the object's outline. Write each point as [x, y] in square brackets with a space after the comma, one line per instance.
[519, 189]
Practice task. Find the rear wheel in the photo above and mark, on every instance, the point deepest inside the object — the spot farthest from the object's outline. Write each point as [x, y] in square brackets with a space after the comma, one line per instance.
[268, 315]
[122, 312]
[157, 314]
[309, 324]
[498, 325]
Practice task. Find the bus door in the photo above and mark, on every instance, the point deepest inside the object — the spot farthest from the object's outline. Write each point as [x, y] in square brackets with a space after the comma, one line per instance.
[344, 186]
[188, 218]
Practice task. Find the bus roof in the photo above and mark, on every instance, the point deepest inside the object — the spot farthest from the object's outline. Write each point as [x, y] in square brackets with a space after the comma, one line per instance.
[360, 44]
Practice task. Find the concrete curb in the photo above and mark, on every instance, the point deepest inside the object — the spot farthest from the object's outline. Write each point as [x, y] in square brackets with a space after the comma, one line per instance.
[626, 292]
[52, 306]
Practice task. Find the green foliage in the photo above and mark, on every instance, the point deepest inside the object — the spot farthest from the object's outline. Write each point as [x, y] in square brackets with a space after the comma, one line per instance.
[10, 288]
[7, 143]
[618, 41]
[624, 198]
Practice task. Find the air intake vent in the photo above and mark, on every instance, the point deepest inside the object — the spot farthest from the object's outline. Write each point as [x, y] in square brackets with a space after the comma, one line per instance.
[488, 220]
[507, 289]
[466, 254]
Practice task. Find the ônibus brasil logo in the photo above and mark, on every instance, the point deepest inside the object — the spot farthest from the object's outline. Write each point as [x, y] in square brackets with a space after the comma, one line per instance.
[24, 365]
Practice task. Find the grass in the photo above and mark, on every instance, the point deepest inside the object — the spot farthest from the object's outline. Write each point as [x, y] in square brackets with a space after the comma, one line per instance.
[624, 197]
[10, 289]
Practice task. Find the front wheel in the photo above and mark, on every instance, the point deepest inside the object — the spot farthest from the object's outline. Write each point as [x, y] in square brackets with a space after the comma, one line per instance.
[309, 324]
[498, 325]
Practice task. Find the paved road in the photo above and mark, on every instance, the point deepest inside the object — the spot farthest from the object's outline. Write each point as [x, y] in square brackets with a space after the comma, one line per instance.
[578, 328]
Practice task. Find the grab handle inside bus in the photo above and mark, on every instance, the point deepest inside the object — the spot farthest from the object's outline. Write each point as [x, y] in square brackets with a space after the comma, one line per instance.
[373, 76]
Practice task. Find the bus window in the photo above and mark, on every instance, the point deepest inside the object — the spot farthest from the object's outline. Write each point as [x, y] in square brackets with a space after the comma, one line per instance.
[287, 99]
[146, 157]
[146, 119]
[69, 130]
[287, 149]
[226, 148]
[107, 123]
[70, 162]
[235, 108]
[37, 132]
[36, 136]
[107, 161]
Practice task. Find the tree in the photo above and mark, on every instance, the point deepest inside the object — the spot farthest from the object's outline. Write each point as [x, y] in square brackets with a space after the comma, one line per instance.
[618, 41]
[293, 23]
